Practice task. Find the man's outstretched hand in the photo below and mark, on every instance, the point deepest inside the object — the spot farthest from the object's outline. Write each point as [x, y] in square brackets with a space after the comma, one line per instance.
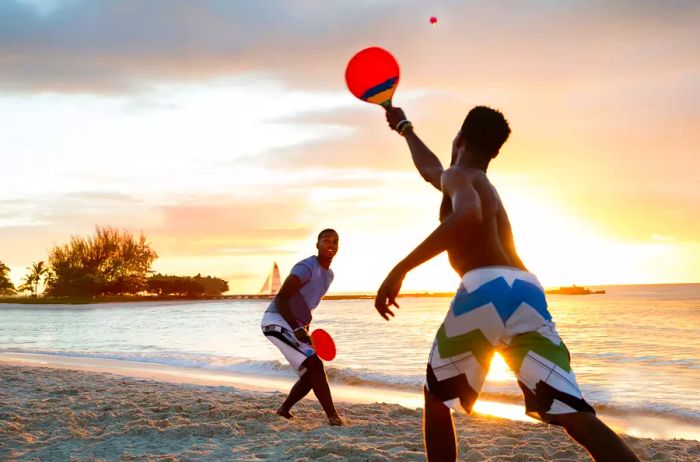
[387, 293]
[394, 115]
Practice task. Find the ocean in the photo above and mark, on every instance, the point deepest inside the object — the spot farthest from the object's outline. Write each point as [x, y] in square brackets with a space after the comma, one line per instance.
[635, 350]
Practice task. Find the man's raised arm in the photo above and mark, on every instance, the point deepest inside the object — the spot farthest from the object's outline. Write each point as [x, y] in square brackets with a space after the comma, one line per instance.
[424, 159]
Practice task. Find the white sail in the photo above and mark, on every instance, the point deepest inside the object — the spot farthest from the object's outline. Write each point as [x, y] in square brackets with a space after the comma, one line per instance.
[276, 282]
[273, 282]
[266, 287]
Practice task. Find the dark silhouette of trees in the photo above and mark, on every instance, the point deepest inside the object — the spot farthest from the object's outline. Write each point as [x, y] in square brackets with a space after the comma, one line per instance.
[212, 285]
[111, 262]
[186, 286]
[6, 285]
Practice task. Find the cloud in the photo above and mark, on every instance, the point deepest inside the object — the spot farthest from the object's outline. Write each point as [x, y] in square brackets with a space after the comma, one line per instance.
[221, 228]
[265, 220]
[127, 46]
[257, 252]
[600, 95]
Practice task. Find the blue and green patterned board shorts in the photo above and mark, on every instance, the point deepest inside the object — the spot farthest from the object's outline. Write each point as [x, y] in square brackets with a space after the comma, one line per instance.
[503, 309]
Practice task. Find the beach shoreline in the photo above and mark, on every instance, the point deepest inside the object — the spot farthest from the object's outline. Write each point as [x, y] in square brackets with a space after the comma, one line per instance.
[27, 300]
[138, 413]
[43, 301]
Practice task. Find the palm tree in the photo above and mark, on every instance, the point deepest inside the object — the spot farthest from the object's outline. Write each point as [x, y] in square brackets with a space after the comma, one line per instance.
[27, 284]
[6, 285]
[49, 281]
[31, 281]
[37, 271]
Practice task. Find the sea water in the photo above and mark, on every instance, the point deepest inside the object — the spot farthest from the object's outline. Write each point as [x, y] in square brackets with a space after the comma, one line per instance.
[635, 349]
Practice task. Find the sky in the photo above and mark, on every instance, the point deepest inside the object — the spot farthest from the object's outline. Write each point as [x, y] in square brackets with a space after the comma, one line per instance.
[223, 130]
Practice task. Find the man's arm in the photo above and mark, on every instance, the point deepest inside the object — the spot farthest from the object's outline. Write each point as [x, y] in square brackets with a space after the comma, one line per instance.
[465, 219]
[424, 159]
[290, 287]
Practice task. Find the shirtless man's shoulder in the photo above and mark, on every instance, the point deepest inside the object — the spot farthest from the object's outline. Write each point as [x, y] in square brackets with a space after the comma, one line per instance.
[457, 178]
[456, 175]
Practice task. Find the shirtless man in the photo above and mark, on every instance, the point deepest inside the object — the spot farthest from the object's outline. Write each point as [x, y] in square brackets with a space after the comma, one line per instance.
[499, 305]
[286, 322]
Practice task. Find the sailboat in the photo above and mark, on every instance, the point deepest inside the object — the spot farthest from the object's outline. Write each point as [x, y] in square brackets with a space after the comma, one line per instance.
[272, 283]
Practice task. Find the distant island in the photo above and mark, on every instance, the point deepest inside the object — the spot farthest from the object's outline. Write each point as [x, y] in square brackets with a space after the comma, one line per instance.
[24, 300]
[573, 290]
[109, 266]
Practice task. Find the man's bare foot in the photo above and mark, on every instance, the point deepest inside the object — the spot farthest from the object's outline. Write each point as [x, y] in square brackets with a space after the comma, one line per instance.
[286, 414]
[337, 421]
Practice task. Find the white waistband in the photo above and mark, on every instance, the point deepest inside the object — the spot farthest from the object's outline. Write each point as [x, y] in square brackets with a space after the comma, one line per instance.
[476, 278]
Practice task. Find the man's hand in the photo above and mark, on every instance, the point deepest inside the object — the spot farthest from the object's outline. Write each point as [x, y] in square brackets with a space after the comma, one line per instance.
[302, 335]
[386, 295]
[394, 115]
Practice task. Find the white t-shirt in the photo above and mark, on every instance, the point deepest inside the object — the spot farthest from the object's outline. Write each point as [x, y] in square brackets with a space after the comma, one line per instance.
[315, 281]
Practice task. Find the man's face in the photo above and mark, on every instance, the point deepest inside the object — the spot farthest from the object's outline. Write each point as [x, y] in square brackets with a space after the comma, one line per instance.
[327, 245]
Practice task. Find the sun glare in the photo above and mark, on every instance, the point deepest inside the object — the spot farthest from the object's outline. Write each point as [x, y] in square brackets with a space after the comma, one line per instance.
[502, 410]
[499, 370]
[563, 249]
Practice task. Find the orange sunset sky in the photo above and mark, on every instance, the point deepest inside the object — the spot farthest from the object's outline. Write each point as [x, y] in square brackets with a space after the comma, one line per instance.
[224, 131]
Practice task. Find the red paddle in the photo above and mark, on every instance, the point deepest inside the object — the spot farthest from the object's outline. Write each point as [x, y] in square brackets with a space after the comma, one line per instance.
[372, 75]
[324, 344]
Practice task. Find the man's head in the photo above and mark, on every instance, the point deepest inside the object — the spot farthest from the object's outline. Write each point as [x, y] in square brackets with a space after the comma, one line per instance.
[483, 132]
[327, 243]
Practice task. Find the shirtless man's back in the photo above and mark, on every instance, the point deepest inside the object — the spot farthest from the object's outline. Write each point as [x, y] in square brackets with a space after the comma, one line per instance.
[499, 305]
[489, 244]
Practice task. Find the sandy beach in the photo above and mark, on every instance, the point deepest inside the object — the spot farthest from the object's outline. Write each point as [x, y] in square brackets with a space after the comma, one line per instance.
[62, 414]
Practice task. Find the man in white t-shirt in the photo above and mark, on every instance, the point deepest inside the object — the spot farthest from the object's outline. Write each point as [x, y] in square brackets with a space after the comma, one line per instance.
[286, 322]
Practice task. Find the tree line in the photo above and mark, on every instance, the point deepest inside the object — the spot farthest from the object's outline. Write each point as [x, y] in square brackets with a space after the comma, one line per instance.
[109, 263]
